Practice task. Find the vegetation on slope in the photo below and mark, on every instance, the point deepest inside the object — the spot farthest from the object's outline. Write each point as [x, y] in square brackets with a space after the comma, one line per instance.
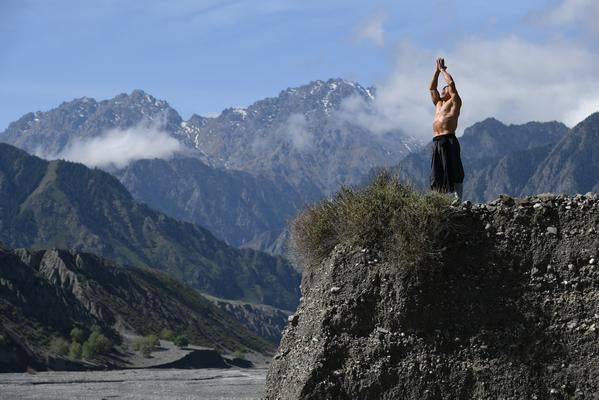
[52, 294]
[387, 216]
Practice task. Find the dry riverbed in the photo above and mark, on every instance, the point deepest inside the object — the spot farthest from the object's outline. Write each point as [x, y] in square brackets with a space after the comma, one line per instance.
[138, 384]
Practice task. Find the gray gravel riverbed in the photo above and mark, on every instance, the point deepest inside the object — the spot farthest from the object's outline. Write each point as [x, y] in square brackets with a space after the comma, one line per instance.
[139, 384]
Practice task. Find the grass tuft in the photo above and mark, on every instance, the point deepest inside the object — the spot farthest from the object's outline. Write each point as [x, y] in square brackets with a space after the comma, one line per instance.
[387, 216]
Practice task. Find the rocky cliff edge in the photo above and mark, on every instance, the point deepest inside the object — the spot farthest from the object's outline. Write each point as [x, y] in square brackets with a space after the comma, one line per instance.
[509, 309]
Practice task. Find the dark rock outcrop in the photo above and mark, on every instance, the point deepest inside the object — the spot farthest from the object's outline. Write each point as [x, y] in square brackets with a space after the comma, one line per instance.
[508, 310]
[239, 362]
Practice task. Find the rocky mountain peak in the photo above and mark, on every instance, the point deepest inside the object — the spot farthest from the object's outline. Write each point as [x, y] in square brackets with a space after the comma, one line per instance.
[488, 124]
[316, 97]
[198, 120]
[323, 95]
[50, 132]
[307, 141]
[139, 98]
[590, 123]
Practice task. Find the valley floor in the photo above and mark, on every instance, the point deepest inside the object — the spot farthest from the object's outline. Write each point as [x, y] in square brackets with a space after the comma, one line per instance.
[146, 384]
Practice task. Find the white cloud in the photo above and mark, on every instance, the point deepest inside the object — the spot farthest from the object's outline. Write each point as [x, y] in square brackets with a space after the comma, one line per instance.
[580, 12]
[510, 78]
[118, 147]
[296, 131]
[371, 30]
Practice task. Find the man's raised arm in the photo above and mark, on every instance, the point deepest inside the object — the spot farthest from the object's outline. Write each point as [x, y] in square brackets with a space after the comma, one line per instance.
[434, 82]
[448, 78]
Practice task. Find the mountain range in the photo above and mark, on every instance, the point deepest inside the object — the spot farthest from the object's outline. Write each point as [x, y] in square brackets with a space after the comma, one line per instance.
[299, 136]
[571, 165]
[241, 174]
[520, 160]
[67, 205]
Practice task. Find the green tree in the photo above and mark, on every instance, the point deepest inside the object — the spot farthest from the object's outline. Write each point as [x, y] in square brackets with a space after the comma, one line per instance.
[181, 341]
[238, 354]
[96, 344]
[87, 351]
[153, 340]
[96, 328]
[75, 350]
[77, 335]
[59, 346]
[167, 334]
[145, 345]
[100, 343]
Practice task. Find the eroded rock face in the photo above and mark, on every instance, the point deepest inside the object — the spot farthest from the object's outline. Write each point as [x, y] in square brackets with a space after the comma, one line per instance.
[265, 321]
[510, 309]
[44, 293]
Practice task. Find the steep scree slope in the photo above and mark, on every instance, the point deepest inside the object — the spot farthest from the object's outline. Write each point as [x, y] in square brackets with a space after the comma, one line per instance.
[509, 310]
[43, 294]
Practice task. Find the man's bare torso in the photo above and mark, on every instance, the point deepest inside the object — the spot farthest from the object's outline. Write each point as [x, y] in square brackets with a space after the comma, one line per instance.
[446, 117]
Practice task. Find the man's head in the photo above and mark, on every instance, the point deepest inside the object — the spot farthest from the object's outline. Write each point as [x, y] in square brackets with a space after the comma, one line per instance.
[445, 93]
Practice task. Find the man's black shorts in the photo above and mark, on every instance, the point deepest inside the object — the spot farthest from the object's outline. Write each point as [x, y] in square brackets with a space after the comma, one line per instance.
[446, 164]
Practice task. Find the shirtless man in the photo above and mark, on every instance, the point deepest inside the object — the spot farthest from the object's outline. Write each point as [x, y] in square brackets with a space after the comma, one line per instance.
[447, 173]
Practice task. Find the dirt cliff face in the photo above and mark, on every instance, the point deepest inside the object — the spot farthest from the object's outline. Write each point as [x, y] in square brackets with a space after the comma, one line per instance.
[510, 310]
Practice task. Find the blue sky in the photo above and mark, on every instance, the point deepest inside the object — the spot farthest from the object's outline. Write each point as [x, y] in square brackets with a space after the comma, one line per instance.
[202, 56]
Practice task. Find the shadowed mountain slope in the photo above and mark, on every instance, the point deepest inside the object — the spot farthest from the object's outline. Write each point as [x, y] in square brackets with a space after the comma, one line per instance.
[234, 205]
[43, 294]
[66, 205]
[572, 166]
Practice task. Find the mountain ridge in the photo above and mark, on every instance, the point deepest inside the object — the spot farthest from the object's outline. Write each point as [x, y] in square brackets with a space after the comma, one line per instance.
[497, 158]
[297, 144]
[67, 205]
[570, 166]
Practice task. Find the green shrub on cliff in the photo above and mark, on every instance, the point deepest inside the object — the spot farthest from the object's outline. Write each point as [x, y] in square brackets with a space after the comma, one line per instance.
[387, 216]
